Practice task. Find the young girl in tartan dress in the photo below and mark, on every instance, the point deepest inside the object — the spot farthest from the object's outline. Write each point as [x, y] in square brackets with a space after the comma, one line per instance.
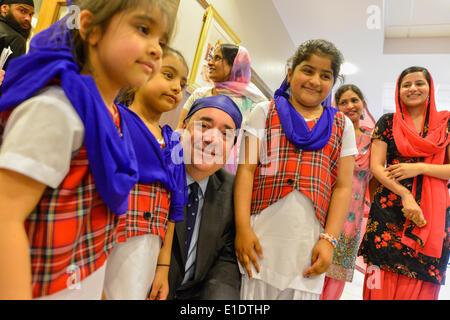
[291, 202]
[67, 163]
[157, 201]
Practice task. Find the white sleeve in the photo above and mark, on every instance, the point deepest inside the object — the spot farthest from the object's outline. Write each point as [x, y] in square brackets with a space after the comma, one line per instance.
[348, 140]
[256, 121]
[40, 137]
[197, 94]
[254, 125]
[188, 104]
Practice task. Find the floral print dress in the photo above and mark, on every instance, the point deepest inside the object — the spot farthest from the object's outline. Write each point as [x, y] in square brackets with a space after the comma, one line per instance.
[344, 256]
[381, 245]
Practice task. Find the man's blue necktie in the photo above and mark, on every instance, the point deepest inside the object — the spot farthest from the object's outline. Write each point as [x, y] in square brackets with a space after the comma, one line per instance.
[191, 211]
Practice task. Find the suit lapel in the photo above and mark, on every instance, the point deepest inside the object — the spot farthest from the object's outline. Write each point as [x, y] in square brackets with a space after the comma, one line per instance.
[211, 215]
[180, 230]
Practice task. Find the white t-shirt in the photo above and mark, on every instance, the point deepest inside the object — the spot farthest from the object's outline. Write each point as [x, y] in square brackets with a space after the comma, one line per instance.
[41, 137]
[244, 104]
[256, 124]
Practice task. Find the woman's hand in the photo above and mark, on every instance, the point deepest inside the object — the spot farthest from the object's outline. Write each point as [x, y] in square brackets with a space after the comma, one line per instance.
[403, 171]
[321, 258]
[246, 244]
[412, 211]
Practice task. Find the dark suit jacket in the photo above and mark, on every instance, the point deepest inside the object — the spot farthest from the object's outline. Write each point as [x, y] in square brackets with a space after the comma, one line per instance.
[216, 271]
[9, 37]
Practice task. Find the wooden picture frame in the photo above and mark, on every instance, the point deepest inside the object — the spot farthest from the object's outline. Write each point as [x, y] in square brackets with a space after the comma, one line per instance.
[50, 12]
[214, 32]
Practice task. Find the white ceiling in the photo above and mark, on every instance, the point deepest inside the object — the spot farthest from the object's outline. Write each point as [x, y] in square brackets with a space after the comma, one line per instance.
[378, 58]
[401, 18]
[416, 18]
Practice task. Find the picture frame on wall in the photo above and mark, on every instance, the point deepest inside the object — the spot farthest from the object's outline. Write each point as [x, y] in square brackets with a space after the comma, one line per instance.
[51, 11]
[215, 31]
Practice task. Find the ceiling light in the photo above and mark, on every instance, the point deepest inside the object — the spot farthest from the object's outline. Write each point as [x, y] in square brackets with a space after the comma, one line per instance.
[348, 68]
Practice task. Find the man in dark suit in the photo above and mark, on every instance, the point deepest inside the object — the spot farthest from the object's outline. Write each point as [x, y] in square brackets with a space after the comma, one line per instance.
[203, 263]
[15, 25]
[15, 28]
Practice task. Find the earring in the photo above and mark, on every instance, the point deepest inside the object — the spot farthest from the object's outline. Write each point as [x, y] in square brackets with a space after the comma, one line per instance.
[361, 117]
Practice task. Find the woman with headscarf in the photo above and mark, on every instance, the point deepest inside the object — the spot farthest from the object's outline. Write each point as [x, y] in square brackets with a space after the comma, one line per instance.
[406, 244]
[229, 70]
[350, 100]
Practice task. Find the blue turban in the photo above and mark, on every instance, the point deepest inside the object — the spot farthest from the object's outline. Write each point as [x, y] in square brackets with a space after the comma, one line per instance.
[221, 102]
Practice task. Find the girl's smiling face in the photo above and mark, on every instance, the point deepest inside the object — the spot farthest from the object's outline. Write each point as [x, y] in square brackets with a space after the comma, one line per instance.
[129, 51]
[311, 82]
[414, 89]
[165, 90]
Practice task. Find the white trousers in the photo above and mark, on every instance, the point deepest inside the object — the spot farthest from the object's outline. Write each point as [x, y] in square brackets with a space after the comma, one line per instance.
[287, 231]
[131, 268]
[255, 289]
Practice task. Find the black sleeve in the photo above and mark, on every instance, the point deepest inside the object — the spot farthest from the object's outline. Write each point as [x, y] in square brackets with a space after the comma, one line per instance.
[383, 128]
[224, 279]
[18, 47]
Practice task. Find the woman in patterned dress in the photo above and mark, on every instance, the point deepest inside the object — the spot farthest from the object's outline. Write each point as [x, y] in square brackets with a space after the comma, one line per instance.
[406, 244]
[350, 100]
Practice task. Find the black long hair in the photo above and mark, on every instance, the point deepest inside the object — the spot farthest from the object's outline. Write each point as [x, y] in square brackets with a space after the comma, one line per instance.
[229, 52]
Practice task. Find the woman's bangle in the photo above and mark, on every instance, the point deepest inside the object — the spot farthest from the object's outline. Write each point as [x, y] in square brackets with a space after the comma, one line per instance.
[405, 194]
[330, 238]
[163, 265]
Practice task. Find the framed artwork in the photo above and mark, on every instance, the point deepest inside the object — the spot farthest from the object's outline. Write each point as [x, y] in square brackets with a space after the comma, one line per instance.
[53, 10]
[50, 12]
[215, 31]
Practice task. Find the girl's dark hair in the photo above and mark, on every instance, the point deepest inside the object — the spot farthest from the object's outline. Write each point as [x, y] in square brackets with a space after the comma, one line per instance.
[126, 96]
[229, 52]
[176, 53]
[412, 70]
[345, 88]
[319, 47]
[104, 10]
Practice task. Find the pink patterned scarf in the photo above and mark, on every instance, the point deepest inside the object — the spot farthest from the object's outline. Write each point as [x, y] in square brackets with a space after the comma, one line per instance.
[239, 82]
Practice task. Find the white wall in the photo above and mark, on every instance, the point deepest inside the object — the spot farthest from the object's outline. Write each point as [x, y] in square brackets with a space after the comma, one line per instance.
[345, 24]
[256, 23]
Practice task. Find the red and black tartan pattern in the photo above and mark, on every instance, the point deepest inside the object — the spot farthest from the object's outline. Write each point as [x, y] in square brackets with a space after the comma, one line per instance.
[71, 231]
[286, 167]
[3, 119]
[148, 212]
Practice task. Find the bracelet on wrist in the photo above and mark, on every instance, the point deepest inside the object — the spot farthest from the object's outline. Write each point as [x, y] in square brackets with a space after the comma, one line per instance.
[405, 194]
[330, 238]
[163, 265]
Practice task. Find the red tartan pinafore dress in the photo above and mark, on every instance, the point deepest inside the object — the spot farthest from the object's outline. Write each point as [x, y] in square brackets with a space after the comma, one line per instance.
[285, 168]
[148, 212]
[71, 230]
